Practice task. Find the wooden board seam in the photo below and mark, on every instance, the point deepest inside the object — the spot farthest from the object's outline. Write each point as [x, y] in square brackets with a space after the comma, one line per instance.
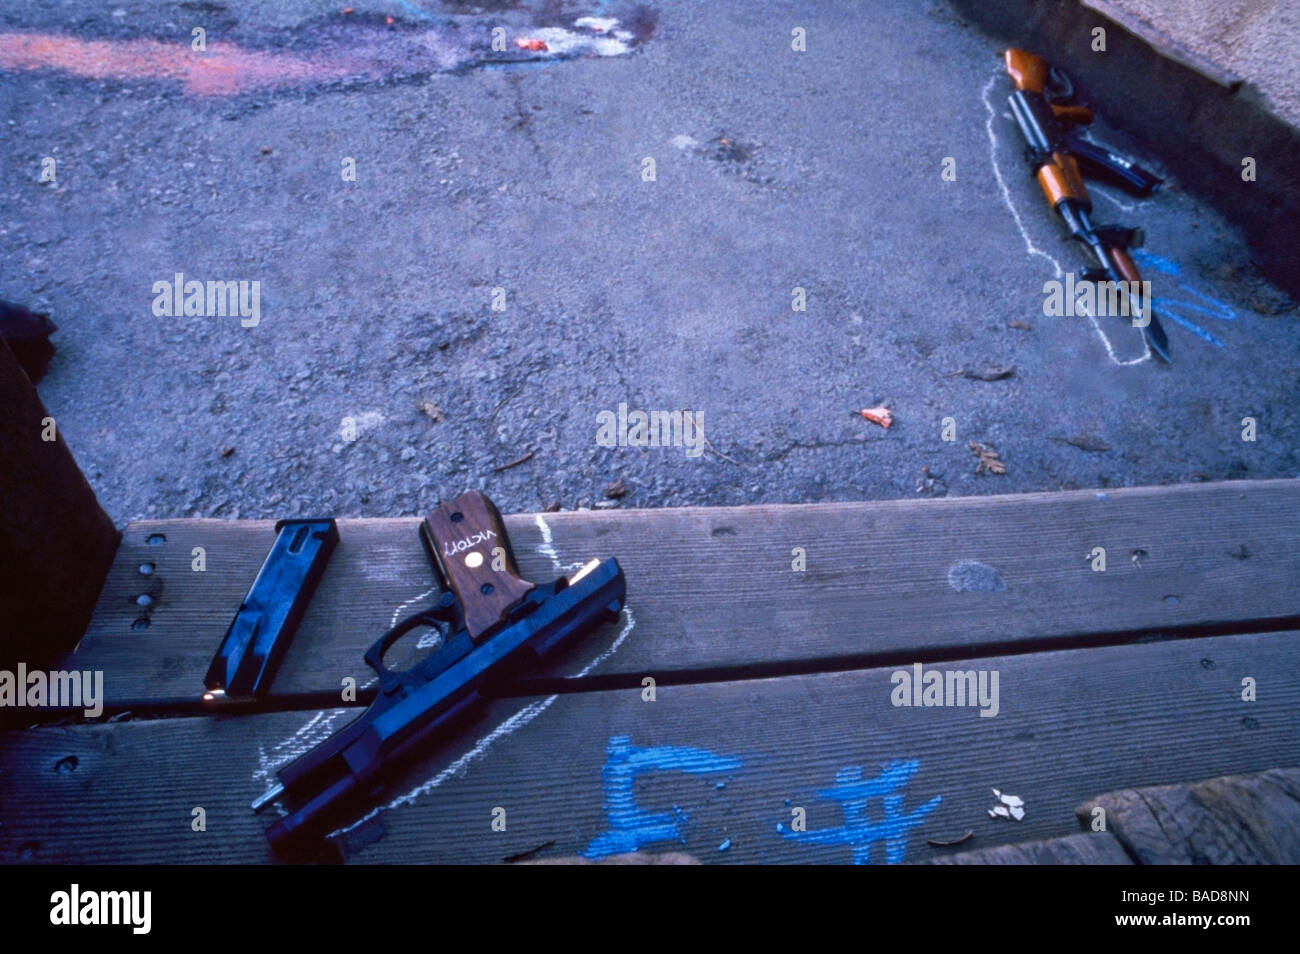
[525, 687]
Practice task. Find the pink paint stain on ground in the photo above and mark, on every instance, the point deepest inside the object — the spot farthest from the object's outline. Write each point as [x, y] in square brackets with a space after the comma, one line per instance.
[221, 70]
[224, 69]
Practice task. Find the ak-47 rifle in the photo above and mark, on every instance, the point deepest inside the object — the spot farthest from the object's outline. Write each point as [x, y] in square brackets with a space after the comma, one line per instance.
[1047, 119]
[493, 623]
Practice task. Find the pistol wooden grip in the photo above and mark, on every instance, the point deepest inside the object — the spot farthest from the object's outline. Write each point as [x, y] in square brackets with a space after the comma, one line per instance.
[466, 538]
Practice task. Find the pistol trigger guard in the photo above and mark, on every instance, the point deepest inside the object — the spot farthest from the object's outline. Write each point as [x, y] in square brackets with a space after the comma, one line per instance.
[441, 617]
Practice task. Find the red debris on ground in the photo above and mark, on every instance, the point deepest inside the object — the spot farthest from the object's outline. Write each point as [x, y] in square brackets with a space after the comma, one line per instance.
[878, 415]
[527, 43]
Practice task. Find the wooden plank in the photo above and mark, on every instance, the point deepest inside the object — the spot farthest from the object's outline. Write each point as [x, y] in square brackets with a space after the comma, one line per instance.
[717, 766]
[1235, 820]
[713, 588]
[1083, 848]
[56, 542]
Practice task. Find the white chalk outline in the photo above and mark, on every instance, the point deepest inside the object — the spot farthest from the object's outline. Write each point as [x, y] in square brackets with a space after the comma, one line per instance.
[1105, 193]
[1098, 190]
[320, 725]
[516, 721]
[315, 731]
[1029, 244]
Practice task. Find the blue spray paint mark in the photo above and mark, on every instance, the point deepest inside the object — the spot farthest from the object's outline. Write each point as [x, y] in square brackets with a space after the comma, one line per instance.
[630, 826]
[858, 832]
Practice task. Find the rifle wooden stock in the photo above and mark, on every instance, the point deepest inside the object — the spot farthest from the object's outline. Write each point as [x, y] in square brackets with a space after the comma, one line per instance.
[1060, 180]
[1124, 264]
[1029, 73]
[1076, 115]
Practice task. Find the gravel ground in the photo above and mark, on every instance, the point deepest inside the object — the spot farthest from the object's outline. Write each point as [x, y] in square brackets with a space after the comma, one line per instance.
[774, 169]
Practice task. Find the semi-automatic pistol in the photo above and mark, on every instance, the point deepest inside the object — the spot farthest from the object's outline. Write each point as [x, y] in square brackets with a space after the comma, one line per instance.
[493, 624]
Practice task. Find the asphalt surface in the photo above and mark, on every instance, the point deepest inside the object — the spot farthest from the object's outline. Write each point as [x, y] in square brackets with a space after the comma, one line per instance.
[775, 169]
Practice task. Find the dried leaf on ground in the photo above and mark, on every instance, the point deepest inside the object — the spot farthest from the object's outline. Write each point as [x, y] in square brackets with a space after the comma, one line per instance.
[989, 461]
[617, 488]
[430, 410]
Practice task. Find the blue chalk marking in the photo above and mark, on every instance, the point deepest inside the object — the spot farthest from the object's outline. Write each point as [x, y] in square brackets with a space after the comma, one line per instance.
[1170, 309]
[1221, 309]
[1155, 261]
[631, 827]
[857, 831]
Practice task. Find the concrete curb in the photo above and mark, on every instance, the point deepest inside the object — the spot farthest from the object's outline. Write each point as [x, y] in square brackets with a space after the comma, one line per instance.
[1199, 119]
[1166, 45]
